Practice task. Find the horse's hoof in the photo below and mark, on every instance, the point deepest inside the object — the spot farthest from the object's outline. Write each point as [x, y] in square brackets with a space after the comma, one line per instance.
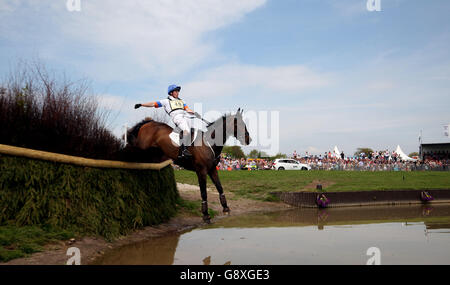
[226, 211]
[207, 219]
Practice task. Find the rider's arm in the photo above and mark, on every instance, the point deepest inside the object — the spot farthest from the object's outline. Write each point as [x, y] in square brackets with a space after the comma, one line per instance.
[186, 108]
[156, 104]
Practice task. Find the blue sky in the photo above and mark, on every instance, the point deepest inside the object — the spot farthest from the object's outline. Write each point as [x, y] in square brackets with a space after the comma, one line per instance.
[337, 73]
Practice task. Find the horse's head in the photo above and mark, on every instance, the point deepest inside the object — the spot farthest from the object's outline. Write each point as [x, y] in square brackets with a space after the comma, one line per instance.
[239, 128]
[229, 126]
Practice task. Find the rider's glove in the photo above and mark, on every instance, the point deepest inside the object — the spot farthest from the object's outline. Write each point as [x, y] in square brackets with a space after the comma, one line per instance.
[137, 106]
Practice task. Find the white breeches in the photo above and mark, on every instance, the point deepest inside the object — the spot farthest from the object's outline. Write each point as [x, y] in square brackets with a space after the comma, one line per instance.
[182, 122]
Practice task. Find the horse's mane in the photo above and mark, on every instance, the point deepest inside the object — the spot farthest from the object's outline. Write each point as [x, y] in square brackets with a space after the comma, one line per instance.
[220, 119]
[133, 131]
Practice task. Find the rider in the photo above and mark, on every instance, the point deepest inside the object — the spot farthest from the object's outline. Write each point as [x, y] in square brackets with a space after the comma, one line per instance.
[176, 108]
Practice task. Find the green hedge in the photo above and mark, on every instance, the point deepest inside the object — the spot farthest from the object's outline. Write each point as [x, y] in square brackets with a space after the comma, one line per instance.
[105, 202]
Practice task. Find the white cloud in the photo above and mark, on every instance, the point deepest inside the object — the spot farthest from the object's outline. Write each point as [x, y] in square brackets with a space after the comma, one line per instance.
[313, 149]
[231, 79]
[350, 9]
[381, 85]
[123, 108]
[8, 6]
[121, 112]
[127, 39]
[112, 102]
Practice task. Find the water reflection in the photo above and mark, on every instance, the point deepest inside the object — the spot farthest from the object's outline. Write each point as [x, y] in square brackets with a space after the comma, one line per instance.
[405, 234]
[157, 251]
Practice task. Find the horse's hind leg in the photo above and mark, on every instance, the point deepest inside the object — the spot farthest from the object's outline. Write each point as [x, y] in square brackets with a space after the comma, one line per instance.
[215, 179]
[202, 183]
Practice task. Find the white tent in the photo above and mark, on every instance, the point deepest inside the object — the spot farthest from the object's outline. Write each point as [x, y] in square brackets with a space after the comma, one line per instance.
[336, 152]
[402, 155]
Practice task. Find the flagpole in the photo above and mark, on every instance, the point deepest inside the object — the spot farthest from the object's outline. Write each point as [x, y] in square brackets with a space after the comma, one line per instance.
[420, 145]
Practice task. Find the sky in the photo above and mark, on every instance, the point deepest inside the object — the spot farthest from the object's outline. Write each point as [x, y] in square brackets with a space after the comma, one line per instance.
[336, 73]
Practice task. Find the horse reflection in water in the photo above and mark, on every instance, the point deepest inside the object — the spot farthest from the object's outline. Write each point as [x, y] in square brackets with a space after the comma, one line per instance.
[207, 261]
[205, 149]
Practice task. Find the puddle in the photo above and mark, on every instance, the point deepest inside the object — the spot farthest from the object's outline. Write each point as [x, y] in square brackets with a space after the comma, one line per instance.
[404, 234]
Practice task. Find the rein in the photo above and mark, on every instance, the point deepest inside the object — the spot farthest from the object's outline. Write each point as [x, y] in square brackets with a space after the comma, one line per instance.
[224, 131]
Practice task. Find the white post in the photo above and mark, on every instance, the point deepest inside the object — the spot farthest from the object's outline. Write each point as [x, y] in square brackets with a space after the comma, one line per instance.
[125, 136]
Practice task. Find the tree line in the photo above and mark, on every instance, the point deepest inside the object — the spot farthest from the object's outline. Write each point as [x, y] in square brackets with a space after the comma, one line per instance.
[236, 152]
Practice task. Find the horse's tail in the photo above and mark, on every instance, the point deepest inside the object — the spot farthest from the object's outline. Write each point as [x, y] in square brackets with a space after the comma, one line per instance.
[133, 132]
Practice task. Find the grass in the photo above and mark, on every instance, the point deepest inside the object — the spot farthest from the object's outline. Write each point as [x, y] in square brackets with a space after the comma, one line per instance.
[21, 241]
[258, 184]
[193, 208]
[16, 242]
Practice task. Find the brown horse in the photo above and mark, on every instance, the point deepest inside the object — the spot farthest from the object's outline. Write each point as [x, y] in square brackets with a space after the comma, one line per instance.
[205, 149]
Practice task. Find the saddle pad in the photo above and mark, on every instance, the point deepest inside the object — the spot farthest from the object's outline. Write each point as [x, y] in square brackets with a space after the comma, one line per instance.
[175, 137]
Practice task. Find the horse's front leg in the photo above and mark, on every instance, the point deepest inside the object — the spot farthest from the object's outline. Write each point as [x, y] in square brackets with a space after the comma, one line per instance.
[202, 183]
[213, 174]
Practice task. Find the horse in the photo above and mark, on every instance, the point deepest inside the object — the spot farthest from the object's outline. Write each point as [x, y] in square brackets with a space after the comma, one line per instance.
[205, 149]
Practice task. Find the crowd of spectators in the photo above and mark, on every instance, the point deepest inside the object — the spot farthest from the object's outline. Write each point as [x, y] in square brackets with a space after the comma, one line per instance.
[375, 161]
[437, 159]
[243, 164]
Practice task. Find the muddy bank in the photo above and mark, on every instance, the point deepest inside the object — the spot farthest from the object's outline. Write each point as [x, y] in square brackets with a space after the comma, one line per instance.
[92, 247]
[363, 198]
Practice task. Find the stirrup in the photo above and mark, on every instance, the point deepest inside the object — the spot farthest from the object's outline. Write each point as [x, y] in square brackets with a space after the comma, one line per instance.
[184, 152]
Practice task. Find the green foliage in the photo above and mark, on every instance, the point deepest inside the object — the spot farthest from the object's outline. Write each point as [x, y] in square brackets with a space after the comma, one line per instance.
[263, 154]
[271, 198]
[18, 242]
[413, 154]
[40, 110]
[257, 154]
[104, 202]
[365, 150]
[233, 151]
[253, 154]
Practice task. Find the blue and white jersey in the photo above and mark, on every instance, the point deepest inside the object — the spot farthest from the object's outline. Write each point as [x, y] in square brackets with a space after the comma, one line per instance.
[172, 106]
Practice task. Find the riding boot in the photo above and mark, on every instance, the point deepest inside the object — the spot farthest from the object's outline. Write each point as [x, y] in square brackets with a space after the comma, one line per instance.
[183, 151]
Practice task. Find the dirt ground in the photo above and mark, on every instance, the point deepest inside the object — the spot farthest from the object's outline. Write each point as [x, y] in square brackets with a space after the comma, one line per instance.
[92, 247]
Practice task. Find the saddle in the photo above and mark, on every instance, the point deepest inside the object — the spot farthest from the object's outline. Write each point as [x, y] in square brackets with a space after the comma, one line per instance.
[196, 125]
[175, 136]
